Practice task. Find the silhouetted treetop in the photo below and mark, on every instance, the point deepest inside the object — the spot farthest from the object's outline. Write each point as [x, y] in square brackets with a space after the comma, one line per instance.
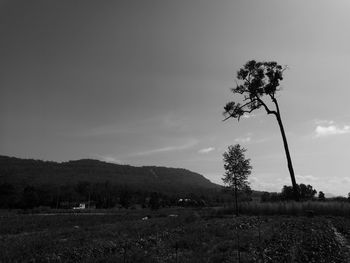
[255, 80]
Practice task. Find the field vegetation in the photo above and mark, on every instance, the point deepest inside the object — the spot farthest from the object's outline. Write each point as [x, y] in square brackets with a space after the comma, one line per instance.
[310, 208]
[175, 235]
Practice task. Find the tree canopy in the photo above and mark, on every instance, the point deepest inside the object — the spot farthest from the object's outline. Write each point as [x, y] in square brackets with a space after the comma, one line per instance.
[256, 79]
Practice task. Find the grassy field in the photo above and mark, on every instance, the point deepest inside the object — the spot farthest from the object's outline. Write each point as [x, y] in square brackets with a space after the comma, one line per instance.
[332, 208]
[172, 235]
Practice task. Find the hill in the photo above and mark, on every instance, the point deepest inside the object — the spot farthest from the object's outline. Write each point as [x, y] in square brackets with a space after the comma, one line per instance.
[22, 172]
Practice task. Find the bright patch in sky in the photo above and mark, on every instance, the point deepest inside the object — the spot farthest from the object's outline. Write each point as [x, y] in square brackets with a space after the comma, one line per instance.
[307, 178]
[184, 146]
[323, 131]
[110, 159]
[206, 150]
[243, 139]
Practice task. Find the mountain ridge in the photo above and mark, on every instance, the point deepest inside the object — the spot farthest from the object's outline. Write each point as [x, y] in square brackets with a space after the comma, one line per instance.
[20, 171]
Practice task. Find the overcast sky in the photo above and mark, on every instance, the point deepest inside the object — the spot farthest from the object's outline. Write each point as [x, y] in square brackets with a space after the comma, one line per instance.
[145, 82]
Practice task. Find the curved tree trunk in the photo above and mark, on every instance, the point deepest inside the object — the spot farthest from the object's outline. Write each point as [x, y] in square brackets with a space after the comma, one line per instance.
[289, 160]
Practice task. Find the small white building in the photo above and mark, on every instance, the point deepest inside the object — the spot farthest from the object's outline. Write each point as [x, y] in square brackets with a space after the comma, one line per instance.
[81, 206]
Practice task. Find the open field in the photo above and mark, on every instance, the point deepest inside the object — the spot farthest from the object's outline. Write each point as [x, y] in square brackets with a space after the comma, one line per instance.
[172, 235]
[329, 208]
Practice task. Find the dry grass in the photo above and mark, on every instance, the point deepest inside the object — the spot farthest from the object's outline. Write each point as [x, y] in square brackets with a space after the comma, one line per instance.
[295, 208]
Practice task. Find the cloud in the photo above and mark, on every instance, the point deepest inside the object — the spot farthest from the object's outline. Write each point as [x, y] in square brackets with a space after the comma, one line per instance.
[250, 138]
[171, 121]
[247, 116]
[324, 131]
[345, 180]
[307, 178]
[160, 123]
[167, 149]
[206, 150]
[108, 159]
[326, 128]
[243, 139]
[323, 122]
[261, 184]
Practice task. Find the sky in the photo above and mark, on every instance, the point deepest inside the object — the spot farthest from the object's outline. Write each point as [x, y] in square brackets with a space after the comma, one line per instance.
[145, 82]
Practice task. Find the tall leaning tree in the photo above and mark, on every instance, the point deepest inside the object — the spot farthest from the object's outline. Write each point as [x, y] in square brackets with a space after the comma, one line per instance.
[257, 83]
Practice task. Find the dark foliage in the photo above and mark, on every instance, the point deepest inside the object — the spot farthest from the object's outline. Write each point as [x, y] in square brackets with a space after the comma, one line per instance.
[7, 195]
[99, 195]
[321, 196]
[31, 183]
[306, 192]
[154, 201]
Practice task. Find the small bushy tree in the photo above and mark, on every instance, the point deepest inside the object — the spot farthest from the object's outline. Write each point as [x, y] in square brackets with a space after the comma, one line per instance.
[321, 196]
[305, 192]
[237, 170]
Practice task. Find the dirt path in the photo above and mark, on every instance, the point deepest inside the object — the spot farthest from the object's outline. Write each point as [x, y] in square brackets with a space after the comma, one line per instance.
[343, 242]
[78, 214]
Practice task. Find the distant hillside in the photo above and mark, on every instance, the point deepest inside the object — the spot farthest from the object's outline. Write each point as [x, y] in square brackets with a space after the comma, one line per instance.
[23, 172]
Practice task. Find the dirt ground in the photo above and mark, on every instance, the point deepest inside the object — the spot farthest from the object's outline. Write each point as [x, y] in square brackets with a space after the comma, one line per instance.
[168, 235]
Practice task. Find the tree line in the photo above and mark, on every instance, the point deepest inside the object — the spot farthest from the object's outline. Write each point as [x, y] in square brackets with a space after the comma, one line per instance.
[101, 195]
[305, 192]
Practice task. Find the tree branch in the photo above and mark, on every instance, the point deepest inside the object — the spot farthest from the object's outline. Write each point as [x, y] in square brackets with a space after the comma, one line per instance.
[276, 104]
[240, 108]
[227, 118]
[266, 108]
[254, 100]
